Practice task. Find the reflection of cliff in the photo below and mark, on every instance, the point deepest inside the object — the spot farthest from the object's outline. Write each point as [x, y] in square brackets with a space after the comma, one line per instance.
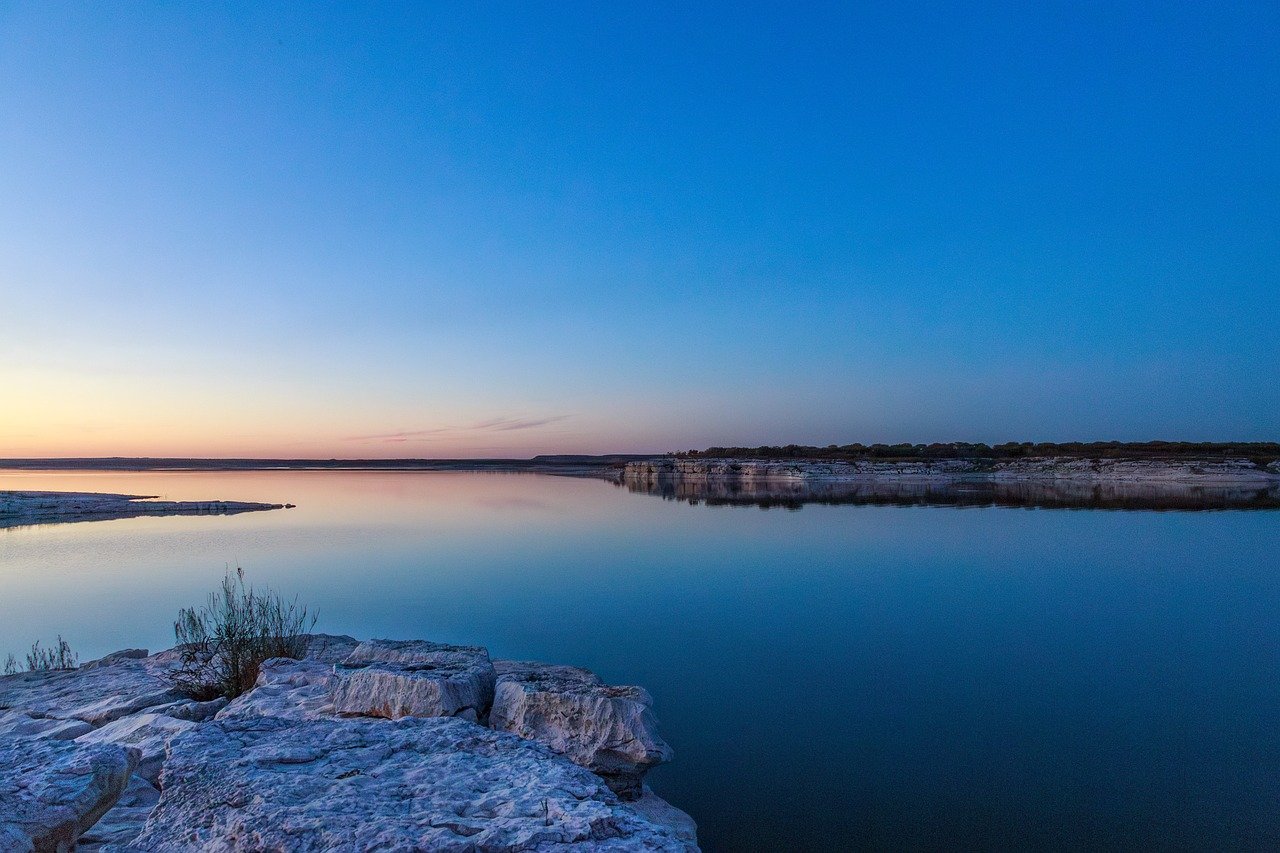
[1145, 485]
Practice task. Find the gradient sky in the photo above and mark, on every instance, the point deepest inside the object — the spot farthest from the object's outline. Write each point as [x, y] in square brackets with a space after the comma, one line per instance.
[505, 229]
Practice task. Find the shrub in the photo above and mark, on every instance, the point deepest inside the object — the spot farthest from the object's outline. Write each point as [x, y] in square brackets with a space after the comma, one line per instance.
[40, 659]
[223, 644]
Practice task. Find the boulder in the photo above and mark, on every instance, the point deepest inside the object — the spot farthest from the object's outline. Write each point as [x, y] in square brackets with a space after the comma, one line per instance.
[148, 733]
[288, 689]
[609, 730]
[403, 678]
[53, 790]
[125, 819]
[251, 784]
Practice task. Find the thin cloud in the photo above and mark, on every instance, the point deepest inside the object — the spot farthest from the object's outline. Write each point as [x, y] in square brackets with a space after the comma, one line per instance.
[508, 424]
[502, 424]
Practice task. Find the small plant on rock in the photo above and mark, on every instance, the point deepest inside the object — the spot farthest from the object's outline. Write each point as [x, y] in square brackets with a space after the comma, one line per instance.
[223, 644]
[58, 656]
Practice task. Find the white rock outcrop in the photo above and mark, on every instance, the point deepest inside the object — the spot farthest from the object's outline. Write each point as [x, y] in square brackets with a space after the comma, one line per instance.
[288, 689]
[609, 730]
[51, 791]
[415, 678]
[444, 784]
[149, 734]
[306, 760]
[96, 694]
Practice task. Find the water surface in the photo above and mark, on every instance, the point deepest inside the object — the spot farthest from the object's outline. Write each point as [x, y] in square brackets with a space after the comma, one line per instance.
[907, 677]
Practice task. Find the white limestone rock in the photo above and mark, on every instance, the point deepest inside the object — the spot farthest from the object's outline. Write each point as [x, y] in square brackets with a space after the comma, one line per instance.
[190, 709]
[15, 724]
[400, 678]
[330, 648]
[288, 689]
[122, 823]
[609, 730]
[115, 657]
[97, 694]
[252, 784]
[51, 791]
[148, 733]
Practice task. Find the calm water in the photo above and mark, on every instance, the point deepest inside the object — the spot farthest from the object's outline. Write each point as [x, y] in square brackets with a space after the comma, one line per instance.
[833, 677]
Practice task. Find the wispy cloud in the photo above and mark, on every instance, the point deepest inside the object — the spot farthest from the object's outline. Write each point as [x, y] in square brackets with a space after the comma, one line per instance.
[500, 424]
[508, 424]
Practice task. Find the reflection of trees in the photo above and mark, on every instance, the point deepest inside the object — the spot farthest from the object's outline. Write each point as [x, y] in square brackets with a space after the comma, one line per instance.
[1061, 494]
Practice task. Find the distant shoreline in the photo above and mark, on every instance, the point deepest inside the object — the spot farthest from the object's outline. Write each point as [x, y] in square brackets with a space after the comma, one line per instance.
[581, 465]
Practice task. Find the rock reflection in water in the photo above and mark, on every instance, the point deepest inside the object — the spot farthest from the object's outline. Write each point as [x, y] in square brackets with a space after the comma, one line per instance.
[1058, 494]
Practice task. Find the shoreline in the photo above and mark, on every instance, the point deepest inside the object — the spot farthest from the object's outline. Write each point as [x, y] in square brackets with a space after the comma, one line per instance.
[28, 508]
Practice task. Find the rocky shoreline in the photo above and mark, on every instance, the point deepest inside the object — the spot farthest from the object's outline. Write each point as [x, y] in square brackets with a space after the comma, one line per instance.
[360, 745]
[22, 509]
[1038, 482]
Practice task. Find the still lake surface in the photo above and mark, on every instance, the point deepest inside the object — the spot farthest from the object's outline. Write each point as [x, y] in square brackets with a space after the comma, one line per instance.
[834, 677]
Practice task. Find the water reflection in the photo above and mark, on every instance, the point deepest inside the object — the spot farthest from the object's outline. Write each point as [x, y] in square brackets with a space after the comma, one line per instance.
[1058, 494]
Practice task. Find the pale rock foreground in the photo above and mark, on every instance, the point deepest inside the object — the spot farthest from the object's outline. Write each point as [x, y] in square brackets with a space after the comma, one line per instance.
[403, 678]
[123, 703]
[51, 790]
[445, 784]
[148, 733]
[609, 730]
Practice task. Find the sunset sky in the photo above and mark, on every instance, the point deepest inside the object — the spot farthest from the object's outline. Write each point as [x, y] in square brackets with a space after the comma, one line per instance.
[515, 228]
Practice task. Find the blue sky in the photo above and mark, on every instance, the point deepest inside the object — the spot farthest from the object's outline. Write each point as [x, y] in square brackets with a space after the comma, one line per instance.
[447, 229]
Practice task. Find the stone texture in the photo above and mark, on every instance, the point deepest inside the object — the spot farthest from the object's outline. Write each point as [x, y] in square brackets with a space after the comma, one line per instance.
[53, 790]
[399, 678]
[359, 784]
[661, 812]
[609, 730]
[122, 823]
[96, 695]
[330, 648]
[189, 709]
[14, 724]
[116, 657]
[288, 689]
[148, 733]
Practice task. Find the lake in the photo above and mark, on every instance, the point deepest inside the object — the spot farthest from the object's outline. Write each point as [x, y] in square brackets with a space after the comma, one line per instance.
[832, 677]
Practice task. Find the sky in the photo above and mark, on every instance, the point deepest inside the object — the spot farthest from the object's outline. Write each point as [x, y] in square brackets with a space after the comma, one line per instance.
[502, 229]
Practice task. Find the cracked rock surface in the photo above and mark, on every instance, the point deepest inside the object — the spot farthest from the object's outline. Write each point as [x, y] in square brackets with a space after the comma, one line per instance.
[366, 784]
[414, 678]
[53, 790]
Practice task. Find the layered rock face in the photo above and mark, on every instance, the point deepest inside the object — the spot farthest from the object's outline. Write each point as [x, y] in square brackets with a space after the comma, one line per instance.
[413, 678]
[360, 746]
[609, 730]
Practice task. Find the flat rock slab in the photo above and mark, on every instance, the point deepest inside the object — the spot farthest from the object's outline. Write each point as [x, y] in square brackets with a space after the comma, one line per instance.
[414, 678]
[148, 733]
[95, 694]
[53, 790]
[609, 730]
[287, 689]
[15, 724]
[443, 784]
